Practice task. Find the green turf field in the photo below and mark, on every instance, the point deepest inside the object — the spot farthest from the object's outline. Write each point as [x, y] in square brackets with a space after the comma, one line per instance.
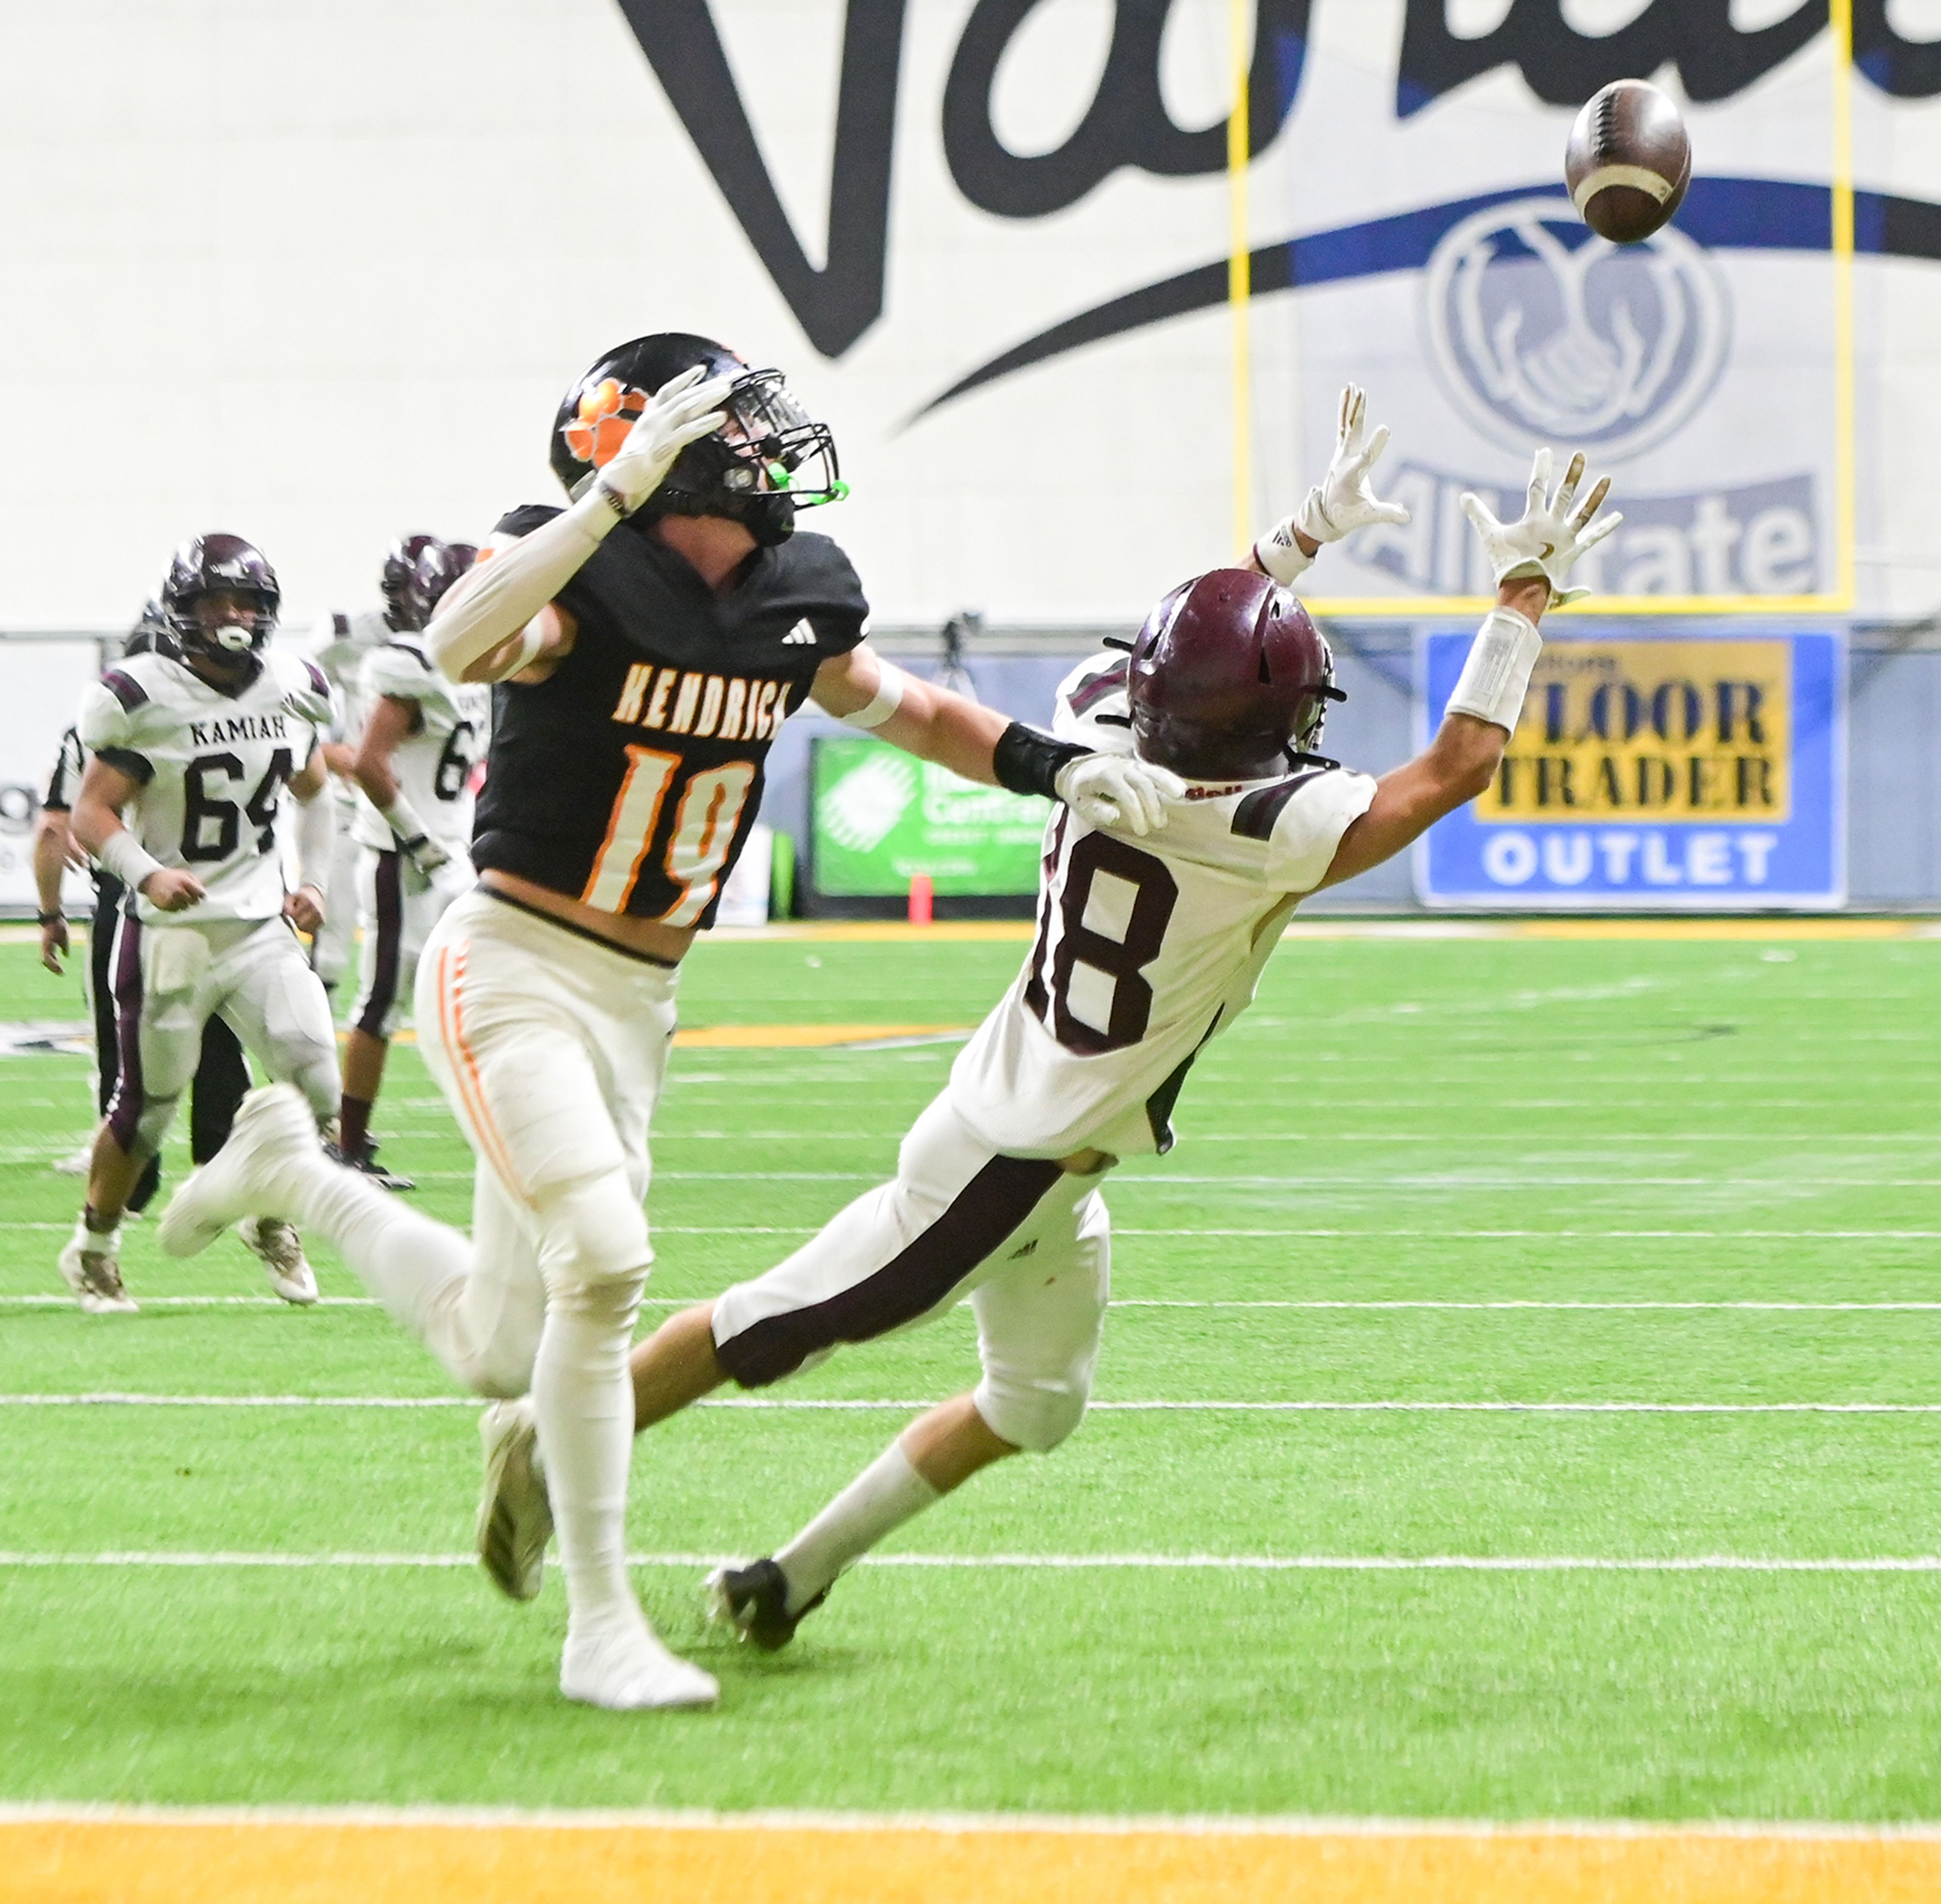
[1440, 1171]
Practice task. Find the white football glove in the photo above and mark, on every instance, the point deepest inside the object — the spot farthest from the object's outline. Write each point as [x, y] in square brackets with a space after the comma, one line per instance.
[681, 411]
[1117, 790]
[1344, 502]
[1548, 540]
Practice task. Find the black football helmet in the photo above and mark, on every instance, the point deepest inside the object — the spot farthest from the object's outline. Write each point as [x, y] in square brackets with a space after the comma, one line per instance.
[767, 461]
[220, 564]
[439, 565]
[405, 608]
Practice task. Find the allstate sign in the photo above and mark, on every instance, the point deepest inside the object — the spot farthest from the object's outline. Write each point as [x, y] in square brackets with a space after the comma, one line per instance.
[1544, 335]
[1675, 772]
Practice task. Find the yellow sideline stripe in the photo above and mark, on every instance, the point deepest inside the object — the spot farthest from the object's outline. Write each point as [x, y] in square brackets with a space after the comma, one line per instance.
[82, 1861]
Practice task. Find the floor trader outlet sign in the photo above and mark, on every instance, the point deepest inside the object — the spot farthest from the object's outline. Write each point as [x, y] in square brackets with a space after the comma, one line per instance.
[1669, 773]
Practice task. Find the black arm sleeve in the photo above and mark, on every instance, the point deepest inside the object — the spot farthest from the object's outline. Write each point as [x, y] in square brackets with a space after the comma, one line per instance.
[1027, 761]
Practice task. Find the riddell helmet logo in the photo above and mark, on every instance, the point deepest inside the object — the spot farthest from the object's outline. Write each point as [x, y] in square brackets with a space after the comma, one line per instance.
[607, 410]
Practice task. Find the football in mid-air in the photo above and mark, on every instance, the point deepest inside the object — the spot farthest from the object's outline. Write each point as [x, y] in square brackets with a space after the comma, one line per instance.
[1628, 162]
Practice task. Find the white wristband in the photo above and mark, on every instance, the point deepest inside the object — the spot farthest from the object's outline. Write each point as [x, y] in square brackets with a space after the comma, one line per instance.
[1283, 559]
[889, 697]
[401, 817]
[125, 856]
[1496, 678]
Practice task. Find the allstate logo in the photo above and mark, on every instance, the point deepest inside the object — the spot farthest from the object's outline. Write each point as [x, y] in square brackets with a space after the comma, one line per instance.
[1544, 332]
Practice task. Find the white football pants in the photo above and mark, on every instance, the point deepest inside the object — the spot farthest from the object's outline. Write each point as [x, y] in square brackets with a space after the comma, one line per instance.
[399, 906]
[169, 981]
[330, 950]
[1028, 1243]
[550, 1047]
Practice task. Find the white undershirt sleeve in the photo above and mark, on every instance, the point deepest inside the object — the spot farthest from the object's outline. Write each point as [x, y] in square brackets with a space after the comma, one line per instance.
[507, 587]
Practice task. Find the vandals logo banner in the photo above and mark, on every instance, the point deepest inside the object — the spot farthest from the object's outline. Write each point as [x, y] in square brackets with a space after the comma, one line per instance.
[1663, 773]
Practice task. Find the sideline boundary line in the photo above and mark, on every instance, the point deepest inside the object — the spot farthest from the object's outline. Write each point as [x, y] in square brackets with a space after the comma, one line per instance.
[1750, 1304]
[1295, 1824]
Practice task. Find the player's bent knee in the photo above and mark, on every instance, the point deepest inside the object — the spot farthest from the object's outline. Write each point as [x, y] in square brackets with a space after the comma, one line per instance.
[143, 1139]
[1035, 1416]
[592, 1231]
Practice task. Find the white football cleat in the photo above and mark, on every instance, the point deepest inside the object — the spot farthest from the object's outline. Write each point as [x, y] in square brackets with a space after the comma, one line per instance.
[627, 1669]
[515, 1516]
[245, 1178]
[91, 1266]
[79, 1165]
[277, 1245]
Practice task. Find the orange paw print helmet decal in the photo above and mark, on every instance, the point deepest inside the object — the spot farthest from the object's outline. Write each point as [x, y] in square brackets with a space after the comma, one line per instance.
[598, 425]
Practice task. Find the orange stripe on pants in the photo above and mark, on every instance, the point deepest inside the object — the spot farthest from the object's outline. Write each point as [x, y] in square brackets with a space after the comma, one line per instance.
[465, 1071]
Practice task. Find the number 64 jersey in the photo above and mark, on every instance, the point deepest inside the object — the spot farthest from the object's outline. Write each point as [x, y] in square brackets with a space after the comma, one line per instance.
[1145, 948]
[211, 768]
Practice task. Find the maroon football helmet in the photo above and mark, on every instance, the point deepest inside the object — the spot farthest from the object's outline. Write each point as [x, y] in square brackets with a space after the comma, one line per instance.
[440, 564]
[220, 564]
[405, 606]
[1230, 679]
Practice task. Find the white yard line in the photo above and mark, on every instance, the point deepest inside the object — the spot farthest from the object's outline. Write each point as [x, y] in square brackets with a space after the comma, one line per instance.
[1455, 1234]
[40, 1302]
[1450, 1234]
[1920, 1563]
[111, 1398]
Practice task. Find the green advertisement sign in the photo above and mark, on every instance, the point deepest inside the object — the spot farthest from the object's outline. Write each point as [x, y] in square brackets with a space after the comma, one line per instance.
[877, 816]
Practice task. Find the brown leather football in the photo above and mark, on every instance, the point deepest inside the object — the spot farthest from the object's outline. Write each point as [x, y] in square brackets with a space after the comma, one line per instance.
[1628, 162]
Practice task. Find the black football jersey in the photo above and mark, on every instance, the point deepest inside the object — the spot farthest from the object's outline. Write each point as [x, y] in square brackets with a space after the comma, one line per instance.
[629, 779]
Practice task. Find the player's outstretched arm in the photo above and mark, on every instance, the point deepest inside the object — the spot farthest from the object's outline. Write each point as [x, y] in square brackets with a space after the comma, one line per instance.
[489, 626]
[1531, 559]
[104, 790]
[979, 744]
[1343, 501]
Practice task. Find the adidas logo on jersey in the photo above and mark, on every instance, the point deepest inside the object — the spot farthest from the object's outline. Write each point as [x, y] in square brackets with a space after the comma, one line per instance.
[800, 636]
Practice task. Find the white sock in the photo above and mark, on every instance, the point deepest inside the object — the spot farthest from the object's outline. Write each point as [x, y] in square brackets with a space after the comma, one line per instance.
[98, 1242]
[879, 1500]
[416, 1268]
[583, 1401]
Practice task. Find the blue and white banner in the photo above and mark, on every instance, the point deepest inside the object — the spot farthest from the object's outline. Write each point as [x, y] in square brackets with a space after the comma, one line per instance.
[1665, 772]
[1700, 369]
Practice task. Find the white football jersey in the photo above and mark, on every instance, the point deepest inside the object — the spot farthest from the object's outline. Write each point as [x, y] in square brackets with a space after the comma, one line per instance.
[434, 762]
[344, 642]
[211, 767]
[1145, 948]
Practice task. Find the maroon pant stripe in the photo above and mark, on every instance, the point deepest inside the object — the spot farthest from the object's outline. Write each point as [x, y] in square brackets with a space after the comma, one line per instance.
[390, 931]
[985, 1212]
[125, 1107]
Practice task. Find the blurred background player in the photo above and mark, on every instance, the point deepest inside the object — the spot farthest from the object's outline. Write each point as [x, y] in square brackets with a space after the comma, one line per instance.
[655, 634]
[222, 1072]
[195, 746]
[349, 637]
[422, 736]
[1144, 953]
